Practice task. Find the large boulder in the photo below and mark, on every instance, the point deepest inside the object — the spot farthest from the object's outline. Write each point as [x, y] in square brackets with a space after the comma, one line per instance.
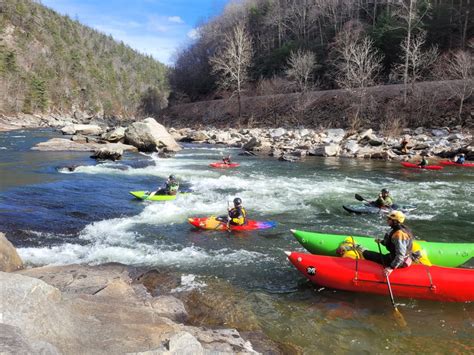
[85, 129]
[149, 136]
[329, 150]
[9, 258]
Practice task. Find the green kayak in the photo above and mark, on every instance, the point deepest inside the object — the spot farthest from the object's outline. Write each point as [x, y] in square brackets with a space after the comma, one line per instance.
[442, 254]
[143, 195]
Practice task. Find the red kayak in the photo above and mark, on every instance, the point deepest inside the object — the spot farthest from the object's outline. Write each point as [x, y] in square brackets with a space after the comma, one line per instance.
[223, 165]
[211, 223]
[449, 162]
[416, 166]
[417, 281]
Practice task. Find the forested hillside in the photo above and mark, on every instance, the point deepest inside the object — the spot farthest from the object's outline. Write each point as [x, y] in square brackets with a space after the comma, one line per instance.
[266, 47]
[51, 63]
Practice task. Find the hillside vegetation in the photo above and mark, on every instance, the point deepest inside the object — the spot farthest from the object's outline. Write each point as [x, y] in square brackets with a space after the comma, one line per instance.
[51, 63]
[272, 47]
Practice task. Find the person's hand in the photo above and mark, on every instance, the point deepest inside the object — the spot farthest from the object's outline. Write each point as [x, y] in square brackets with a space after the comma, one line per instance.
[378, 241]
[387, 271]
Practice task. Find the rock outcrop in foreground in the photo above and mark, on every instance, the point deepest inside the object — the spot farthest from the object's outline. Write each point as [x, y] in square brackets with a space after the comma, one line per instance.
[86, 310]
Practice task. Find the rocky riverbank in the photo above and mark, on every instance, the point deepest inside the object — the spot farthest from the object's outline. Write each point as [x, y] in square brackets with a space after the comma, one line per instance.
[112, 308]
[110, 141]
[294, 144]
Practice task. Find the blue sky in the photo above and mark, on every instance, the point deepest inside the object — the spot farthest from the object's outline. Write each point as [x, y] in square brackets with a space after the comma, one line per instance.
[155, 27]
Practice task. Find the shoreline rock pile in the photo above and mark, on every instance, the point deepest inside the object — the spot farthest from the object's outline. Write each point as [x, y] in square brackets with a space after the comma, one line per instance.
[293, 144]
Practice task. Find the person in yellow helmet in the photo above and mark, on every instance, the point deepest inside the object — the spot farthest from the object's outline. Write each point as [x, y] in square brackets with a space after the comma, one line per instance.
[399, 243]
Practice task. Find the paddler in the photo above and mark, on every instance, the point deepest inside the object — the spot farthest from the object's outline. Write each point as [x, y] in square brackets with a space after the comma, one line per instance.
[399, 243]
[423, 162]
[384, 199]
[171, 187]
[226, 160]
[461, 159]
[237, 216]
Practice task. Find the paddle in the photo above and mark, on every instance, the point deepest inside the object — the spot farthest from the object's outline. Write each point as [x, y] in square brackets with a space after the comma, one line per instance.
[360, 198]
[398, 316]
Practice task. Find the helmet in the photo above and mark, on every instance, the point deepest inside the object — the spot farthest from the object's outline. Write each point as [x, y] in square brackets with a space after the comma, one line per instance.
[385, 191]
[237, 201]
[172, 177]
[396, 216]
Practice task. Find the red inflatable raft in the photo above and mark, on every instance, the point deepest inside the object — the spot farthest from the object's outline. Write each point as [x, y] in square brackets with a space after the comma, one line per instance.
[418, 281]
[224, 166]
[416, 166]
[211, 223]
[449, 162]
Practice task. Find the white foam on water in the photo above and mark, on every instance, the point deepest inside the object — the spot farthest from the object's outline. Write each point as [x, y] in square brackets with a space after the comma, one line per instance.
[136, 254]
[1, 148]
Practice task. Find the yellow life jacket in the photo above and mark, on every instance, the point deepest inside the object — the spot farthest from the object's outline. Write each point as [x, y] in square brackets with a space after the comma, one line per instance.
[238, 221]
[419, 255]
[348, 249]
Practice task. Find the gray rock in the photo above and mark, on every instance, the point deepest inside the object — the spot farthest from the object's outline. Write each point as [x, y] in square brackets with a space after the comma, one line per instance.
[252, 143]
[336, 135]
[440, 132]
[108, 153]
[115, 135]
[61, 144]
[351, 146]
[170, 307]
[419, 130]
[148, 135]
[85, 129]
[14, 341]
[277, 133]
[9, 258]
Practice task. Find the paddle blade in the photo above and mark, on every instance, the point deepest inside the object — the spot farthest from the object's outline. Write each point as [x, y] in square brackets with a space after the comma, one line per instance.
[399, 318]
[359, 197]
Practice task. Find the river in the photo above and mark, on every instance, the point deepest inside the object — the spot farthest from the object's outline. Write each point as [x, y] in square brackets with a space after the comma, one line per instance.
[54, 216]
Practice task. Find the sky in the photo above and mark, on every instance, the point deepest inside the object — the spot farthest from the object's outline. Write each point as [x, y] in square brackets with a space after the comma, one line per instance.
[155, 27]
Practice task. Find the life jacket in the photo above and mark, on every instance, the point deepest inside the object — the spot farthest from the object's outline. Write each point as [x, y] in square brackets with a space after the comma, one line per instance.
[172, 187]
[238, 216]
[348, 249]
[403, 233]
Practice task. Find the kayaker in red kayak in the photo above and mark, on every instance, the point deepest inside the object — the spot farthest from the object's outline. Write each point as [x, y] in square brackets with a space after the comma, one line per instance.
[423, 162]
[384, 199]
[237, 216]
[399, 242]
[226, 160]
[461, 159]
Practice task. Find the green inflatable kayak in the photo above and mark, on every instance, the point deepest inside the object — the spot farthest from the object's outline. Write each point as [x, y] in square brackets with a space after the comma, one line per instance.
[442, 254]
[143, 195]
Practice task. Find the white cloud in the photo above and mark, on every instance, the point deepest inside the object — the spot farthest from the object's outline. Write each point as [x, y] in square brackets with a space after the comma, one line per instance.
[193, 33]
[175, 19]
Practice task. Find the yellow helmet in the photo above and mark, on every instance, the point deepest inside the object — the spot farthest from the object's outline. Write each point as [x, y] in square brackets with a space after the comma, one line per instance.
[397, 216]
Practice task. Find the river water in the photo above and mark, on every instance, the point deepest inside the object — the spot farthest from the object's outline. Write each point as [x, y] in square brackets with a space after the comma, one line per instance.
[55, 216]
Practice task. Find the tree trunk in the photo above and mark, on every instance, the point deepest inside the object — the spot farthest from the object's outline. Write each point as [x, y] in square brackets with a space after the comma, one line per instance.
[239, 103]
[405, 73]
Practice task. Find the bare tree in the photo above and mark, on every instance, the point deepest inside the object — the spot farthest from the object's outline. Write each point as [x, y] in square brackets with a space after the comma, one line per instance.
[300, 66]
[410, 14]
[358, 65]
[232, 61]
[418, 62]
[460, 66]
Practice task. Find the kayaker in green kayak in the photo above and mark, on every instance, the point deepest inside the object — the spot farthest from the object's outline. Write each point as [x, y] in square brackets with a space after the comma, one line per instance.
[399, 242]
[237, 216]
[384, 200]
[171, 187]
